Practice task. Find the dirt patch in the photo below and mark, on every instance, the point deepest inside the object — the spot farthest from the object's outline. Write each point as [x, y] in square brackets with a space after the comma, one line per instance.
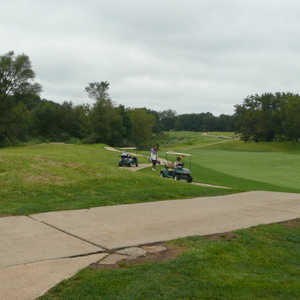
[227, 236]
[171, 252]
[135, 169]
[72, 165]
[56, 163]
[46, 161]
[45, 179]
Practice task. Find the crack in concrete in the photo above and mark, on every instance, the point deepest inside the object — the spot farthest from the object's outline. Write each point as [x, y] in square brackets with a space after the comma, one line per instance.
[70, 234]
[57, 258]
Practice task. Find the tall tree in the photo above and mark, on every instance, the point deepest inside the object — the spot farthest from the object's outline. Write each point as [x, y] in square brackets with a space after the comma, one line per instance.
[291, 118]
[142, 125]
[98, 90]
[16, 80]
[16, 76]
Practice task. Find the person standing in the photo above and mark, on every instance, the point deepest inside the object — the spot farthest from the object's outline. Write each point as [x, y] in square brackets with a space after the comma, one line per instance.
[154, 156]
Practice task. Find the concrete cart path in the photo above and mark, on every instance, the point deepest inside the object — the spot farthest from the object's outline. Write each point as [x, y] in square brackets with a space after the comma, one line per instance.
[113, 227]
[44, 243]
[29, 281]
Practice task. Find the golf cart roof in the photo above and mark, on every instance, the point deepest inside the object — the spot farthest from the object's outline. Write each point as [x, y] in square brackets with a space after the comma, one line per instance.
[177, 153]
[128, 148]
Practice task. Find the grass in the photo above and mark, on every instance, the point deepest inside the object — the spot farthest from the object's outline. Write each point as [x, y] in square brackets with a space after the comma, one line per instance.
[222, 134]
[259, 263]
[236, 145]
[186, 139]
[49, 177]
[247, 166]
[272, 171]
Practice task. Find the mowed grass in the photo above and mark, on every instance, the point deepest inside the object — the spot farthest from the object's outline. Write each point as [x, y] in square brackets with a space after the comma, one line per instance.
[186, 139]
[227, 134]
[50, 177]
[247, 166]
[259, 263]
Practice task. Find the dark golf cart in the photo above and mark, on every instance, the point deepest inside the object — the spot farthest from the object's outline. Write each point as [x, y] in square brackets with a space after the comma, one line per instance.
[128, 159]
[177, 172]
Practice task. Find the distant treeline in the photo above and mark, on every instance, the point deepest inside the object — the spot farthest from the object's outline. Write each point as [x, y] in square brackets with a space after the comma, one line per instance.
[269, 117]
[25, 116]
[29, 117]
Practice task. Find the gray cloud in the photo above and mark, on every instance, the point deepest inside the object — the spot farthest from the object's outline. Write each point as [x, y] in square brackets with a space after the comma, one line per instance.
[190, 56]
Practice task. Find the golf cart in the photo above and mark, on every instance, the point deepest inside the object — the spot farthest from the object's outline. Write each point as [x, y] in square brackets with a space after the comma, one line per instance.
[128, 159]
[177, 171]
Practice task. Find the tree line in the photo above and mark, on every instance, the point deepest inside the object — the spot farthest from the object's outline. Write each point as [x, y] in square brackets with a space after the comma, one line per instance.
[24, 115]
[269, 117]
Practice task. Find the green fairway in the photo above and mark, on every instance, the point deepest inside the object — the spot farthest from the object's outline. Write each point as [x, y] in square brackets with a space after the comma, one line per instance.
[187, 139]
[274, 168]
[49, 177]
[258, 263]
[248, 166]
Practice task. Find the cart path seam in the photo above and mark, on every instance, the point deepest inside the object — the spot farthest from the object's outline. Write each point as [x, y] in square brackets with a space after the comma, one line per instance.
[56, 258]
[70, 234]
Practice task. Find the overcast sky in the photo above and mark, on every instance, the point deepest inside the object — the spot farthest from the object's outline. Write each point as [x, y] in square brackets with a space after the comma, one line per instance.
[185, 55]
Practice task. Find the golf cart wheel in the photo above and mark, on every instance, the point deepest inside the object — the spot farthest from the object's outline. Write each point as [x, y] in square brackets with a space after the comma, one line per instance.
[120, 164]
[176, 177]
[136, 164]
[162, 175]
[189, 179]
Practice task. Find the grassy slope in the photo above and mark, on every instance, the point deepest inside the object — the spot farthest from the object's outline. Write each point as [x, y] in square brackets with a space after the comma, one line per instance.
[51, 177]
[260, 263]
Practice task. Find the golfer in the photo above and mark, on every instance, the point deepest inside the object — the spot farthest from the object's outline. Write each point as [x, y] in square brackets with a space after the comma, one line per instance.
[153, 157]
[178, 162]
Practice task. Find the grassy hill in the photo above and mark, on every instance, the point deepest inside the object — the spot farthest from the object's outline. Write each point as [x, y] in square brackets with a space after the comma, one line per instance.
[49, 177]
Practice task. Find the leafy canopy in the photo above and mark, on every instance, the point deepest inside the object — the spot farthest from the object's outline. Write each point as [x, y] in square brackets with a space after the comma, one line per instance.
[17, 76]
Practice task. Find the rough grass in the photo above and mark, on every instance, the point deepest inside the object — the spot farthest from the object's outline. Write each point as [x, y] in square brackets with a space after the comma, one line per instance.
[47, 177]
[259, 263]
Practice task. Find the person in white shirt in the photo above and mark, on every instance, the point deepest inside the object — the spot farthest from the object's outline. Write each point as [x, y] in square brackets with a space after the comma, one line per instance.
[154, 156]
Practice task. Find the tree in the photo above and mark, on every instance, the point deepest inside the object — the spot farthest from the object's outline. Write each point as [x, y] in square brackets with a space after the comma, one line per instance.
[16, 76]
[98, 90]
[142, 125]
[268, 117]
[106, 120]
[291, 118]
[167, 119]
[16, 80]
